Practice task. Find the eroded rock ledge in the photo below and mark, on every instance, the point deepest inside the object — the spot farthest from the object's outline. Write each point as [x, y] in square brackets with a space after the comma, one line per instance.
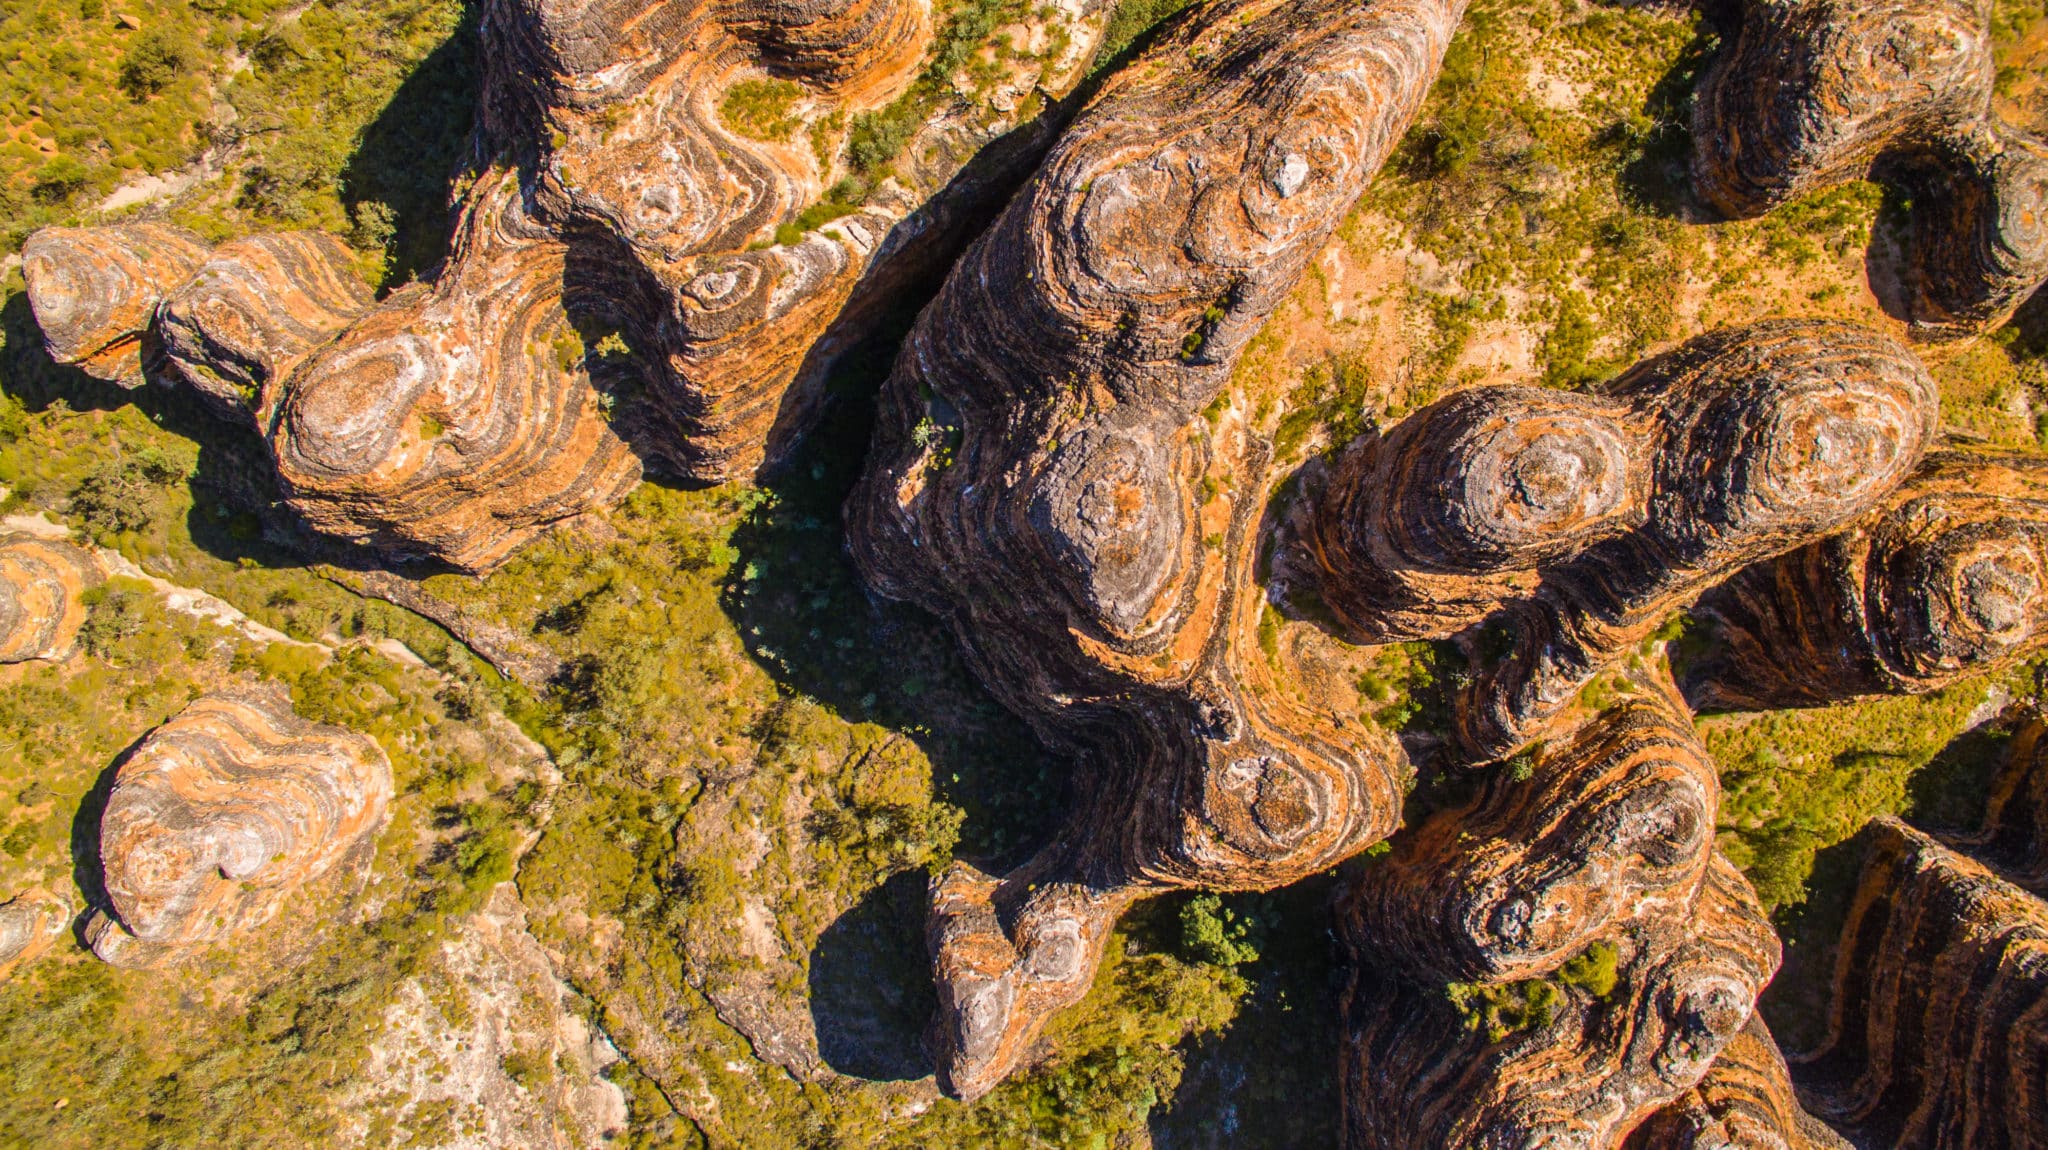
[222, 813]
[1035, 480]
[1813, 93]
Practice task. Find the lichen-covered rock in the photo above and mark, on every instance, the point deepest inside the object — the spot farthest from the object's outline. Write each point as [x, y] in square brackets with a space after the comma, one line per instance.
[1811, 91]
[95, 290]
[220, 815]
[1948, 577]
[253, 310]
[42, 584]
[1938, 1031]
[29, 923]
[453, 422]
[1576, 1067]
[1741, 444]
[1035, 481]
[1746, 1102]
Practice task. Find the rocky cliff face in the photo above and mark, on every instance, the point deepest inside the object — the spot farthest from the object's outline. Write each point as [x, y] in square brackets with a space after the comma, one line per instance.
[94, 291]
[1934, 1036]
[1812, 93]
[1035, 480]
[1592, 519]
[42, 583]
[29, 923]
[1947, 577]
[219, 815]
[1746, 1100]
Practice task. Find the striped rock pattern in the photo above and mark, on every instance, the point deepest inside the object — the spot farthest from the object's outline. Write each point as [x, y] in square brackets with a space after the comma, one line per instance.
[680, 209]
[253, 311]
[1593, 519]
[219, 815]
[1034, 480]
[1746, 1102]
[449, 423]
[1813, 93]
[41, 585]
[1936, 1035]
[95, 290]
[30, 923]
[1948, 577]
[2014, 835]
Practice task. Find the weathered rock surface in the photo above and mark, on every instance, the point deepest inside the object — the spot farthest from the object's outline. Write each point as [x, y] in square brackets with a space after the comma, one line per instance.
[253, 311]
[29, 923]
[449, 423]
[1948, 577]
[1746, 1102]
[1594, 518]
[1812, 93]
[1607, 847]
[42, 584]
[219, 815]
[95, 290]
[2014, 836]
[1936, 1035]
[1035, 480]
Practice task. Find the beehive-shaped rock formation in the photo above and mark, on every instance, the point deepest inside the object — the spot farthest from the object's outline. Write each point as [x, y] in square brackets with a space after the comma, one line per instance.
[1938, 1032]
[95, 290]
[1035, 477]
[30, 923]
[1557, 960]
[1947, 577]
[1592, 519]
[1812, 93]
[219, 815]
[253, 310]
[454, 421]
[42, 584]
[1746, 1101]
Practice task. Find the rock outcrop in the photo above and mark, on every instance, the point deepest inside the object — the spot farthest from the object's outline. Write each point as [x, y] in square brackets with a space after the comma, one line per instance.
[1812, 93]
[95, 290]
[29, 923]
[1036, 473]
[1936, 1036]
[455, 421]
[1590, 520]
[219, 815]
[1948, 577]
[1746, 1101]
[1557, 960]
[42, 588]
[2014, 836]
[253, 311]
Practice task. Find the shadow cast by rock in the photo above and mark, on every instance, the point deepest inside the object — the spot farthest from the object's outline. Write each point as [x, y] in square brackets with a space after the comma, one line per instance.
[870, 989]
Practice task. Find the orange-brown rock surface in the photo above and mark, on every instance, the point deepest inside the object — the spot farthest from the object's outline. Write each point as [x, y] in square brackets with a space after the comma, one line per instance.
[1948, 577]
[1812, 93]
[1035, 477]
[1746, 1102]
[29, 923]
[95, 290]
[449, 423]
[42, 584]
[1936, 1036]
[219, 815]
[1558, 959]
[1589, 520]
[253, 310]
[2014, 836]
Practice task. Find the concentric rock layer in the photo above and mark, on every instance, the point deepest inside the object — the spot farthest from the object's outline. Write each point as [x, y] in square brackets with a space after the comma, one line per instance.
[1948, 577]
[1812, 93]
[220, 815]
[42, 584]
[29, 923]
[1036, 473]
[253, 311]
[1746, 1101]
[95, 290]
